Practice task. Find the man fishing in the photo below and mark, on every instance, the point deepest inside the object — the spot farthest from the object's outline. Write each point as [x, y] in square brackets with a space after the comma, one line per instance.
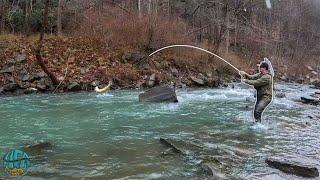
[263, 83]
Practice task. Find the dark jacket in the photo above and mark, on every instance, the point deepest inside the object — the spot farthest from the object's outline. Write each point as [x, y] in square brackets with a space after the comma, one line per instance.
[262, 83]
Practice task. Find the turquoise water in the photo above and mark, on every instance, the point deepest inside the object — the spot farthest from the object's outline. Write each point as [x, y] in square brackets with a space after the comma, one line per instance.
[113, 136]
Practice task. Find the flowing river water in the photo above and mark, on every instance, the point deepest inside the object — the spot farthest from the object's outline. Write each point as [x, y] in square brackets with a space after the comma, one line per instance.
[113, 136]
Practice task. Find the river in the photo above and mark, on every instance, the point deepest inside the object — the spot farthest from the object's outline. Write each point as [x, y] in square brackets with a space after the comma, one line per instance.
[113, 136]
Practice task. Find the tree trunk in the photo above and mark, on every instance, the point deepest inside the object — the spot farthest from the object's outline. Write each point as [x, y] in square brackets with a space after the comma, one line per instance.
[139, 8]
[149, 6]
[227, 29]
[59, 17]
[2, 15]
[40, 45]
[155, 6]
[169, 8]
[27, 18]
[236, 32]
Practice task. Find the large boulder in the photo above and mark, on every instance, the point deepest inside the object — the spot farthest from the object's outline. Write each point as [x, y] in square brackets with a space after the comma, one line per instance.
[20, 58]
[41, 75]
[159, 94]
[316, 83]
[24, 75]
[293, 167]
[74, 86]
[152, 80]
[174, 71]
[30, 90]
[9, 69]
[41, 86]
[198, 81]
[11, 87]
[213, 82]
[284, 78]
[131, 57]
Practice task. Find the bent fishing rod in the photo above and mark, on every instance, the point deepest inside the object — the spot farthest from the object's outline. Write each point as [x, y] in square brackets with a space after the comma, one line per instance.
[195, 47]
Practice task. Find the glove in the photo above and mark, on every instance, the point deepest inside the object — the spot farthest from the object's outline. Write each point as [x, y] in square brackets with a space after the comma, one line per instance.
[242, 73]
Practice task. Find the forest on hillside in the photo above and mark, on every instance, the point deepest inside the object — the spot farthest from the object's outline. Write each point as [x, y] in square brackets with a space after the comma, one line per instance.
[242, 31]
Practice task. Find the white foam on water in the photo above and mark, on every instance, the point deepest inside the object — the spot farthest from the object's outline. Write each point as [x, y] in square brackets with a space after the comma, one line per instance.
[286, 103]
[192, 97]
[259, 127]
[210, 145]
[144, 176]
[170, 107]
[104, 95]
[188, 114]
[154, 175]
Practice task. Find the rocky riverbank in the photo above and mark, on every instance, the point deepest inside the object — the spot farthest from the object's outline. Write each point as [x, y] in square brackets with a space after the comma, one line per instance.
[81, 64]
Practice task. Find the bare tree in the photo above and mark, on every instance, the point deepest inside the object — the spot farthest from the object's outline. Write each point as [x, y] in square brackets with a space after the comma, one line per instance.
[27, 16]
[59, 17]
[40, 45]
[139, 7]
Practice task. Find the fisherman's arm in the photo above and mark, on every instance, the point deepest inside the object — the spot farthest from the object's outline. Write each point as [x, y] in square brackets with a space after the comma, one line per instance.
[258, 82]
[248, 76]
[254, 77]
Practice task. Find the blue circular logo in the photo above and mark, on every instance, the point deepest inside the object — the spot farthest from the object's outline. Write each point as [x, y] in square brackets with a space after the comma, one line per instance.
[16, 162]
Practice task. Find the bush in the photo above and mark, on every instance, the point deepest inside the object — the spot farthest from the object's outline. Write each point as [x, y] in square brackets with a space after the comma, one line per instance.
[118, 30]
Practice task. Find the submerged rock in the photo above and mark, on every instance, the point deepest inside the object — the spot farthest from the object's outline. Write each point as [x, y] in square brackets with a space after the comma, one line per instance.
[171, 145]
[213, 160]
[310, 100]
[280, 95]
[211, 169]
[272, 177]
[159, 94]
[292, 167]
[37, 149]
[316, 83]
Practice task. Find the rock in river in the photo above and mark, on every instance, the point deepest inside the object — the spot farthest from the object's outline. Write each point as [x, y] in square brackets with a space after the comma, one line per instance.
[38, 148]
[159, 94]
[280, 95]
[310, 100]
[293, 167]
